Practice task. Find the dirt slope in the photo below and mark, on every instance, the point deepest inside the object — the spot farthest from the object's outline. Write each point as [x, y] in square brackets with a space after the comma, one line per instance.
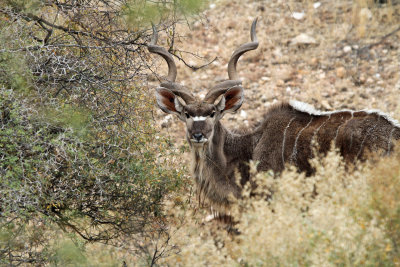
[331, 54]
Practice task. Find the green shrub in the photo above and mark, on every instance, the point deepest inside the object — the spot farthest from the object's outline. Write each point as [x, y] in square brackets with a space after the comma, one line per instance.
[80, 156]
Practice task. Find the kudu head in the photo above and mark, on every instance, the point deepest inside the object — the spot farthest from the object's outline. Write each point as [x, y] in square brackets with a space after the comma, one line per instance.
[200, 116]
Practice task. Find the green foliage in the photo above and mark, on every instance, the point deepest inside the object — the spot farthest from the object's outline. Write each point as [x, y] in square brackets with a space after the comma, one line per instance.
[49, 169]
[139, 13]
[79, 153]
[188, 7]
[69, 254]
[13, 71]
[67, 116]
[23, 5]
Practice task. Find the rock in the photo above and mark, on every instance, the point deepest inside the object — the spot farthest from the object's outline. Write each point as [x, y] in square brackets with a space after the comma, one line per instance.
[277, 53]
[362, 78]
[340, 72]
[280, 82]
[347, 49]
[325, 104]
[365, 13]
[397, 86]
[298, 15]
[314, 61]
[316, 5]
[166, 122]
[303, 39]
[264, 98]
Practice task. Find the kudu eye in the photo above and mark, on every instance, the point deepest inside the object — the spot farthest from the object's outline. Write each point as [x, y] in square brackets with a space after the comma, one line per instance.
[212, 114]
[187, 115]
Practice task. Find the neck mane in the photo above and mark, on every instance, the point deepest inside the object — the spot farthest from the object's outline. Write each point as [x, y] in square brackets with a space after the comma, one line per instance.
[215, 163]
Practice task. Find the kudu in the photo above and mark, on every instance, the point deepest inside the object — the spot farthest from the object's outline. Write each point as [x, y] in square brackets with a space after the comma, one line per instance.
[285, 136]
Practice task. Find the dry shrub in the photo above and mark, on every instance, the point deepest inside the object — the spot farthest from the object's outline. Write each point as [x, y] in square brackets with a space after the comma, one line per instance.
[335, 217]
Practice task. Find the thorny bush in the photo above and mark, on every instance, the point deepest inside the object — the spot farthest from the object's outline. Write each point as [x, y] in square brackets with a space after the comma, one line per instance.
[78, 148]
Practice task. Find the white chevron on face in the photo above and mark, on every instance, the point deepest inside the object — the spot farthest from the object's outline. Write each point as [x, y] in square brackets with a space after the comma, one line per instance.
[199, 118]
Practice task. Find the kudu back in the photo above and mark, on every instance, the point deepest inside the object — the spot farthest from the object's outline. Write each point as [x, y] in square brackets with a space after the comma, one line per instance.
[287, 134]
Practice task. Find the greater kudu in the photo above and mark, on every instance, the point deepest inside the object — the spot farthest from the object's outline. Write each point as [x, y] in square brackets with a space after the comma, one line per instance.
[285, 136]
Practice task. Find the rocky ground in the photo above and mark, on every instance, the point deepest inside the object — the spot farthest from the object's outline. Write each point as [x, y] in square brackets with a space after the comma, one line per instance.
[330, 54]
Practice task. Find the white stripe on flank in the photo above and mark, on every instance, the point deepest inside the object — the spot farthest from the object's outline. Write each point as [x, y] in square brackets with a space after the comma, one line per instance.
[365, 137]
[351, 140]
[199, 118]
[316, 131]
[294, 153]
[390, 140]
[337, 131]
[307, 108]
[284, 139]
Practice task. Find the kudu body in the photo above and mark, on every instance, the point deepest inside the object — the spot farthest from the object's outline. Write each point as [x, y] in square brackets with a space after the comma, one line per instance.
[286, 135]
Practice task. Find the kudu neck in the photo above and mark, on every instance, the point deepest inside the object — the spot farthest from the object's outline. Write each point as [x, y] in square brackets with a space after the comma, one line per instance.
[230, 143]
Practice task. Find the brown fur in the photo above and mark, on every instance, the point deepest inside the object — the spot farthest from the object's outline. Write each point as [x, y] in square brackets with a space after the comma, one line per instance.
[285, 137]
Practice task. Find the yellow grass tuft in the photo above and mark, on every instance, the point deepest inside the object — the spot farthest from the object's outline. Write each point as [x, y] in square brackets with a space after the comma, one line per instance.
[335, 217]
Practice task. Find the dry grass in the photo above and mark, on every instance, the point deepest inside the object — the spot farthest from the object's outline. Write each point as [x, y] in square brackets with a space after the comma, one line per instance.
[335, 217]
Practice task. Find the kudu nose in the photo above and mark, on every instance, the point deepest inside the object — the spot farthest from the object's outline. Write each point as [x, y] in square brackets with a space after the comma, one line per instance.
[197, 136]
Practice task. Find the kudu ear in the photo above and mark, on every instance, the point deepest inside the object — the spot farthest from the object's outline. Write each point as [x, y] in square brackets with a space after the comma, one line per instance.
[168, 101]
[232, 100]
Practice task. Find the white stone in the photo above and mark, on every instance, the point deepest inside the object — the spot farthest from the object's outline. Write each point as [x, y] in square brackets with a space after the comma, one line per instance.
[366, 13]
[277, 52]
[317, 5]
[298, 15]
[243, 114]
[347, 49]
[303, 38]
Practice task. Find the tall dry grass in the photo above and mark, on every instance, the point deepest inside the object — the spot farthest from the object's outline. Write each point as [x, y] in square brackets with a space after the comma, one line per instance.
[336, 217]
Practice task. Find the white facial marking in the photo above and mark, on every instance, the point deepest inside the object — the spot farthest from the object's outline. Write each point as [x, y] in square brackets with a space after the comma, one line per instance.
[199, 118]
[201, 141]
